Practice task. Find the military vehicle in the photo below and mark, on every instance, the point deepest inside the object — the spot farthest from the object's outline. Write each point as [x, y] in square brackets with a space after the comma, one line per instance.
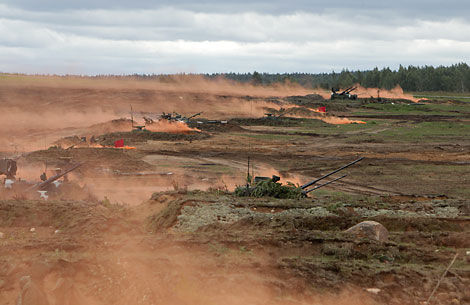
[175, 117]
[265, 186]
[343, 95]
[13, 187]
[8, 168]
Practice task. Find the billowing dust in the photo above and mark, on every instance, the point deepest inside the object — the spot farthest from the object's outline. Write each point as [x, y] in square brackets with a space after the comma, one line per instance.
[266, 170]
[170, 127]
[298, 112]
[38, 110]
[330, 119]
[194, 277]
[133, 189]
[395, 93]
[133, 270]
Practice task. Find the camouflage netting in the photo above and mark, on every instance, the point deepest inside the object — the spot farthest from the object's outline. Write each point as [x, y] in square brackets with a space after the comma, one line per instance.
[269, 188]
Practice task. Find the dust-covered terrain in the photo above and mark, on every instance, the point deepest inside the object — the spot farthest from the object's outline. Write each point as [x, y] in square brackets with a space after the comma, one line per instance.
[147, 213]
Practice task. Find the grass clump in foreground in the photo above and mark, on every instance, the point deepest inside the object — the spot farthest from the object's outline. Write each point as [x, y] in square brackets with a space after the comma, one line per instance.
[268, 188]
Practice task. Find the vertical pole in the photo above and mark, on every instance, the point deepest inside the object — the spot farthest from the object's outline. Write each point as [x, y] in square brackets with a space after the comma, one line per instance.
[132, 118]
[248, 172]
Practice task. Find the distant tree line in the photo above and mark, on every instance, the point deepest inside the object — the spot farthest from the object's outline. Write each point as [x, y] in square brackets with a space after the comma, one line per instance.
[455, 78]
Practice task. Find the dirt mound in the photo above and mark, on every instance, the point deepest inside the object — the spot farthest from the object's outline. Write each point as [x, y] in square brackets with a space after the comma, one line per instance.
[269, 121]
[300, 112]
[60, 190]
[73, 216]
[304, 99]
[215, 126]
[136, 137]
[167, 217]
[111, 158]
[117, 125]
[69, 141]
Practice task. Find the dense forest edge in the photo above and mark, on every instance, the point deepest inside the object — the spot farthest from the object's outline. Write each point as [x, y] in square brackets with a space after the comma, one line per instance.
[455, 78]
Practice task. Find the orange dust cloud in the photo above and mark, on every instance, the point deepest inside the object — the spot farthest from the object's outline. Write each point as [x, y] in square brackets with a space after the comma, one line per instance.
[338, 121]
[298, 112]
[265, 170]
[170, 127]
[395, 93]
[36, 111]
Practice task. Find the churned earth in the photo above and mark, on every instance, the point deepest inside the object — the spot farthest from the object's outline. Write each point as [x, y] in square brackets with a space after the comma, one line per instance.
[157, 223]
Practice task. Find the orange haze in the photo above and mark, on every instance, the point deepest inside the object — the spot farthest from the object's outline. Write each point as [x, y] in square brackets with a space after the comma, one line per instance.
[170, 127]
[395, 93]
[38, 110]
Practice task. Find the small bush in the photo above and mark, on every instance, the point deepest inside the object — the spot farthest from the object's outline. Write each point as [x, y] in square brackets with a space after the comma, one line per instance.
[270, 189]
[219, 189]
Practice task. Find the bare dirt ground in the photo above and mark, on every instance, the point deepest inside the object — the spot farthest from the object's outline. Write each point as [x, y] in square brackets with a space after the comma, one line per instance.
[138, 230]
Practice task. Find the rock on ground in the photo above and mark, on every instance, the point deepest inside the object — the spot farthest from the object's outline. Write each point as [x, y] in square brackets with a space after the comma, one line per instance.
[369, 229]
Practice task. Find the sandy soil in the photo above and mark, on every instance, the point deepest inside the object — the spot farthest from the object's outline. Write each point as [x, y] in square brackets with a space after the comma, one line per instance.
[136, 230]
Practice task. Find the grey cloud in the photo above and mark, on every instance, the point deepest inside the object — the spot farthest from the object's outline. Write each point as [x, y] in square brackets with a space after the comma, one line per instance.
[89, 56]
[125, 37]
[416, 8]
[172, 24]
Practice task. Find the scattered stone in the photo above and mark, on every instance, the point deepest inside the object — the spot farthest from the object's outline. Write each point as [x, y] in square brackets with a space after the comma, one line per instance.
[373, 290]
[468, 253]
[2, 235]
[369, 229]
[56, 231]
[31, 293]
[195, 216]
[32, 230]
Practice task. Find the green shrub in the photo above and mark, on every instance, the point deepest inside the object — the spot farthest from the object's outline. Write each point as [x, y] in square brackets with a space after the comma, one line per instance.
[270, 189]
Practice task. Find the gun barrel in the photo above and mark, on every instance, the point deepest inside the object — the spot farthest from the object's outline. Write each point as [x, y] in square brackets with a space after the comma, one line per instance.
[42, 185]
[322, 185]
[345, 91]
[331, 173]
[194, 115]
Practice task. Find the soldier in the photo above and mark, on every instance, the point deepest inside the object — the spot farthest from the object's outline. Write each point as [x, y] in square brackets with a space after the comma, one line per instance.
[43, 176]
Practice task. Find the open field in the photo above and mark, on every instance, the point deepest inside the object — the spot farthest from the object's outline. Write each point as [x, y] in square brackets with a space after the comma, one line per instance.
[443, 96]
[159, 224]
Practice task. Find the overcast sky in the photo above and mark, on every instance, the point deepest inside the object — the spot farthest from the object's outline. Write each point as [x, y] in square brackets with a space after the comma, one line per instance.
[142, 36]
